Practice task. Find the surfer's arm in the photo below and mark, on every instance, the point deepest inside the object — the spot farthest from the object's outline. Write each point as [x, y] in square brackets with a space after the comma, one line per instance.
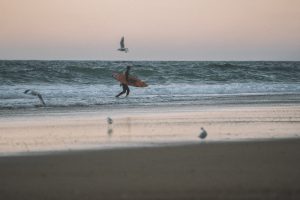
[127, 74]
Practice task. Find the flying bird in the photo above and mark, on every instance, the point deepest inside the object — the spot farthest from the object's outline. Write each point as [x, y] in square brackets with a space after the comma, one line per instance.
[34, 93]
[203, 133]
[122, 46]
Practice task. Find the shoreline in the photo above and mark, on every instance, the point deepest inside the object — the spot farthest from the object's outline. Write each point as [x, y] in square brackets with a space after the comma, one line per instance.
[209, 101]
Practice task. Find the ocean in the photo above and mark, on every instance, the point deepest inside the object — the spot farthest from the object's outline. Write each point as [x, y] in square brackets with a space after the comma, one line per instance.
[89, 84]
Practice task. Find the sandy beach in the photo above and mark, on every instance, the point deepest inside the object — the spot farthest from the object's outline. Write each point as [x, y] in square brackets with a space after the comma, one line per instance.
[232, 170]
[251, 152]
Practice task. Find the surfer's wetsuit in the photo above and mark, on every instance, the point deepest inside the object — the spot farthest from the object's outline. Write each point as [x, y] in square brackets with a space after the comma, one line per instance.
[125, 86]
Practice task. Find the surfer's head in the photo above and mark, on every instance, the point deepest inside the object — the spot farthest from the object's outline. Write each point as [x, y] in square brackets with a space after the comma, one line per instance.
[128, 67]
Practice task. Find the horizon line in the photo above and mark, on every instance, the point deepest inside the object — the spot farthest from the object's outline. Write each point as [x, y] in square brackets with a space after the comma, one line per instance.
[158, 60]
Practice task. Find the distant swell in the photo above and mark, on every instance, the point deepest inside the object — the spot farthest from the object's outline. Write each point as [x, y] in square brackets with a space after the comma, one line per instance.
[88, 72]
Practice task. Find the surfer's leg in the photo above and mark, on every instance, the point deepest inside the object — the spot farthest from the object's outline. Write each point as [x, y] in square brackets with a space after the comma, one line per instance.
[121, 93]
[127, 91]
[124, 90]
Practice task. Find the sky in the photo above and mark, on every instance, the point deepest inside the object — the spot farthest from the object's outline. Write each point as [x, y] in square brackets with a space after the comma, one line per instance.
[153, 29]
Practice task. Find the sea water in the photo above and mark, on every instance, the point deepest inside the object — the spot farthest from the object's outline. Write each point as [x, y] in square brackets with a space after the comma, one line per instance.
[89, 84]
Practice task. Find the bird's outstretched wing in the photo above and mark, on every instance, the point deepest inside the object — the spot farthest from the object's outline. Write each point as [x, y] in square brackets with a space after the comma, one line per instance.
[34, 93]
[41, 99]
[122, 42]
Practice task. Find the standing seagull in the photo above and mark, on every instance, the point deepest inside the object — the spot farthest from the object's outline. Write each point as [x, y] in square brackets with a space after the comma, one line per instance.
[109, 120]
[34, 93]
[123, 46]
[203, 133]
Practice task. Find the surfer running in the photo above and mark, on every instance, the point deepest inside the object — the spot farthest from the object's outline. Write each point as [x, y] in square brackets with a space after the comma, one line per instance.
[125, 86]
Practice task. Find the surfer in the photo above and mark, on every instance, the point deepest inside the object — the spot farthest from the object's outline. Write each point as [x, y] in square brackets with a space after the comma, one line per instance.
[125, 86]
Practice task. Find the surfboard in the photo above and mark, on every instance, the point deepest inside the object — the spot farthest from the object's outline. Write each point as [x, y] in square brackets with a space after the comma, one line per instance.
[132, 81]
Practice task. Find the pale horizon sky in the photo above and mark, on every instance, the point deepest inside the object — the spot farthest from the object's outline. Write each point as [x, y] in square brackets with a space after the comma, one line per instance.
[153, 29]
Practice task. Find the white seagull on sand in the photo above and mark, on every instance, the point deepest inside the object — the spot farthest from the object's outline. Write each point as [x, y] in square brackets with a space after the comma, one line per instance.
[122, 46]
[203, 133]
[109, 120]
[34, 93]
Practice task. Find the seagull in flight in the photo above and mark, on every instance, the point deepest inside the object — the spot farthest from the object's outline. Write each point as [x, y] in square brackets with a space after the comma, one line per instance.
[34, 93]
[122, 46]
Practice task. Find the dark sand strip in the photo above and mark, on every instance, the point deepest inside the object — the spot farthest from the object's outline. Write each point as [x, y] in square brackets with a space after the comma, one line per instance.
[238, 170]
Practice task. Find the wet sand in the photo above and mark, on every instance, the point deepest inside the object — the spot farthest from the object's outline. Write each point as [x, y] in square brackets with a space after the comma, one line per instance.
[230, 170]
[140, 127]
